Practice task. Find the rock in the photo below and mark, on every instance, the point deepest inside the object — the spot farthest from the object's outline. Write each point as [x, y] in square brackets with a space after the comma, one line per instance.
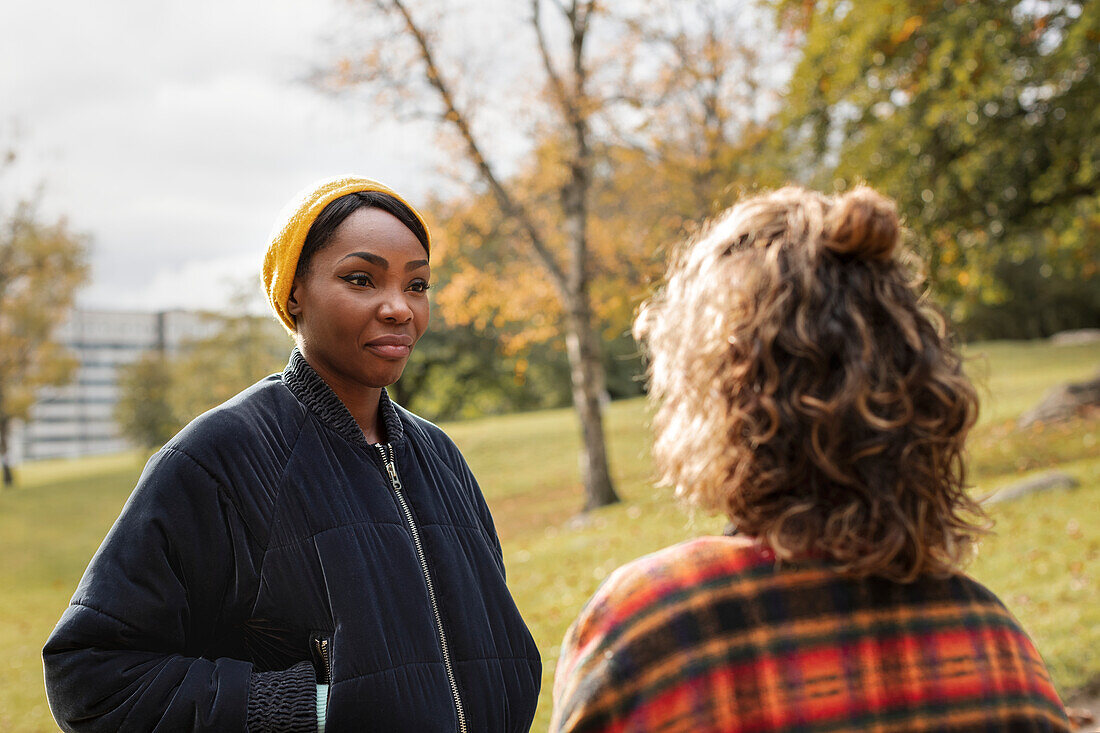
[1083, 706]
[1043, 482]
[1063, 402]
[1073, 338]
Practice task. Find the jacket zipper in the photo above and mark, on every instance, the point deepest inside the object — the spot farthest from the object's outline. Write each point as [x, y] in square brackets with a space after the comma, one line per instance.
[389, 460]
[320, 645]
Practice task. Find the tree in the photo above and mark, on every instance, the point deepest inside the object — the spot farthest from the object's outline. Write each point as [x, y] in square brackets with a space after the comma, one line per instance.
[165, 389]
[708, 83]
[606, 97]
[242, 348]
[41, 266]
[978, 117]
[144, 410]
[560, 248]
[462, 371]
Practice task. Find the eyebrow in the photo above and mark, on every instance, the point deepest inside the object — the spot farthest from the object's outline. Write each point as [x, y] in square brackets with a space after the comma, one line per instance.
[383, 262]
[369, 257]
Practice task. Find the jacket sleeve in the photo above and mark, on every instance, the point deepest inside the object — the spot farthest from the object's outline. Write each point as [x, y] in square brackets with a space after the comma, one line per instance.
[128, 652]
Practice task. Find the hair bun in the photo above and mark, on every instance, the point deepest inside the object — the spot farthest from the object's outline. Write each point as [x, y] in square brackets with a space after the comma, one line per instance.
[862, 223]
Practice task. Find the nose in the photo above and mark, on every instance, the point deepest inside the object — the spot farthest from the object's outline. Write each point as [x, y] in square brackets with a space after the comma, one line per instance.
[394, 307]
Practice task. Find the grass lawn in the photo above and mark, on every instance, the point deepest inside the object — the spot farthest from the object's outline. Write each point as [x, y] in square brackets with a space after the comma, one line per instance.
[1043, 561]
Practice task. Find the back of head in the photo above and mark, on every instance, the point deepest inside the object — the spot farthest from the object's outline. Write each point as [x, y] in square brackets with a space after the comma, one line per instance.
[806, 389]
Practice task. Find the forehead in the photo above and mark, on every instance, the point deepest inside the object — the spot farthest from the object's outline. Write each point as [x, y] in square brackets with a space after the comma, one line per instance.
[373, 230]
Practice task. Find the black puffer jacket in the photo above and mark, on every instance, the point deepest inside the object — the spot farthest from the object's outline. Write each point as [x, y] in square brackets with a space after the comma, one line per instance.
[269, 532]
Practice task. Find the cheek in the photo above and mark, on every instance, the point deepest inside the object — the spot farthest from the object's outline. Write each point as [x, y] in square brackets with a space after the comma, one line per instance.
[344, 315]
[421, 316]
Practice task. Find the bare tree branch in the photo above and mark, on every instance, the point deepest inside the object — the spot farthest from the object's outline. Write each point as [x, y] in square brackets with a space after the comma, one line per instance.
[452, 114]
[547, 62]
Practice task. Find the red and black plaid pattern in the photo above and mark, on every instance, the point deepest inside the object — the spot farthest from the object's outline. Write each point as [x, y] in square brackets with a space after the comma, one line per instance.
[710, 635]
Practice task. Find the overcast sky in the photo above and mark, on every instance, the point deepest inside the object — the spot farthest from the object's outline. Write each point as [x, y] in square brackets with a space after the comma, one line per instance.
[173, 132]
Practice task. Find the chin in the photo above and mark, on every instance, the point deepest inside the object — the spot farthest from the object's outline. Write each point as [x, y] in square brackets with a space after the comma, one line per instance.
[385, 379]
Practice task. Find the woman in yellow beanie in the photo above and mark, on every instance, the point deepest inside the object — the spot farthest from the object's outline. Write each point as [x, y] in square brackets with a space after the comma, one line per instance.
[309, 555]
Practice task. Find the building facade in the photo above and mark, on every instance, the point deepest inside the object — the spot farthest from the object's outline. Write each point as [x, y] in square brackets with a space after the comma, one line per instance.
[78, 418]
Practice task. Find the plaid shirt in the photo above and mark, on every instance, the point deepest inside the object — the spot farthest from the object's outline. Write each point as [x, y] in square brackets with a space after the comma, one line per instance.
[710, 635]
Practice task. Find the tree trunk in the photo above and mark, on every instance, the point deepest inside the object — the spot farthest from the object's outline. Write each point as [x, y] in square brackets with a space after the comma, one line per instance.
[9, 477]
[586, 369]
[581, 340]
[586, 375]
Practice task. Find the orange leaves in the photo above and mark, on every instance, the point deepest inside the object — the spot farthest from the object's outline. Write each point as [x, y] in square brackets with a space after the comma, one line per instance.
[515, 301]
[488, 277]
[41, 267]
[907, 29]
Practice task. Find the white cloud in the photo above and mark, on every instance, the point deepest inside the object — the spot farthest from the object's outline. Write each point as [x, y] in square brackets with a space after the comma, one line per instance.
[194, 285]
[174, 132]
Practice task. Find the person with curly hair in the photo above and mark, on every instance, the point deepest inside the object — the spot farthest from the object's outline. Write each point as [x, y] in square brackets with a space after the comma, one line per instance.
[805, 387]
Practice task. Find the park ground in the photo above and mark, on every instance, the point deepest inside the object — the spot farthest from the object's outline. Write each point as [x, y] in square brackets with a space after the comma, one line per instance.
[1043, 560]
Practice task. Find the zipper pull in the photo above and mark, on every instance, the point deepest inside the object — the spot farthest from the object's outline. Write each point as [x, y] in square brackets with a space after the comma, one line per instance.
[320, 646]
[390, 464]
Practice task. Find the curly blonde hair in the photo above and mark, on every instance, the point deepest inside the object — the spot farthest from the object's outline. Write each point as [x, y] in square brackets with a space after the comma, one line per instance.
[806, 388]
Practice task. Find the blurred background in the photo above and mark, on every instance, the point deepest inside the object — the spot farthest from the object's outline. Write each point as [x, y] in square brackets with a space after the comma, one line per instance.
[560, 149]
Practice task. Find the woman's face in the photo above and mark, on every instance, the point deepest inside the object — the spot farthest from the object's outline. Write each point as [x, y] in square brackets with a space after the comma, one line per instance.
[363, 303]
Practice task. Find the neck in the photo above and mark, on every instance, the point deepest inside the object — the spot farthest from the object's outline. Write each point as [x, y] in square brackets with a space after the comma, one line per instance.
[365, 412]
[361, 401]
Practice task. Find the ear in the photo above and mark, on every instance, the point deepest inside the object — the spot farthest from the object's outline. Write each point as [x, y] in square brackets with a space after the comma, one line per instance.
[293, 307]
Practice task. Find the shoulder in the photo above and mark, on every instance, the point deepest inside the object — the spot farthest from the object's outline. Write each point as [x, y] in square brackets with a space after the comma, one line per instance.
[667, 578]
[427, 434]
[971, 600]
[257, 426]
[690, 565]
[967, 587]
[264, 406]
[626, 626]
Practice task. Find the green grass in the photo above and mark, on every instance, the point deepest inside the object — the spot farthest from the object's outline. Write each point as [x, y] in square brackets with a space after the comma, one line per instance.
[1043, 561]
[49, 526]
[1012, 376]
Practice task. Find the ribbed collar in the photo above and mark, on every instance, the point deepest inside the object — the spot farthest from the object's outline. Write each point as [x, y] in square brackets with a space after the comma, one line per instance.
[313, 392]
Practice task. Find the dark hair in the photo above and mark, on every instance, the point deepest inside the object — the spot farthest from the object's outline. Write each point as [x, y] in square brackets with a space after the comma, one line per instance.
[337, 210]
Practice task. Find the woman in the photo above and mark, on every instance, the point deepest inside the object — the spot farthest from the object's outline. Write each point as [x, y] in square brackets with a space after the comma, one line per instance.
[307, 556]
[803, 389]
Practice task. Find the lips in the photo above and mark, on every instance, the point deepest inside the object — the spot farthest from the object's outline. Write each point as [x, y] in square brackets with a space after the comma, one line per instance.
[391, 346]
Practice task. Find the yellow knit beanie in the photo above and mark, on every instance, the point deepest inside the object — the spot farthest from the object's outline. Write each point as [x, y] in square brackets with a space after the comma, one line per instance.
[291, 227]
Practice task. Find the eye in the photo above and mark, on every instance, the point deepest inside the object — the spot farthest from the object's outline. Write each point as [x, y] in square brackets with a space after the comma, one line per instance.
[419, 286]
[359, 279]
